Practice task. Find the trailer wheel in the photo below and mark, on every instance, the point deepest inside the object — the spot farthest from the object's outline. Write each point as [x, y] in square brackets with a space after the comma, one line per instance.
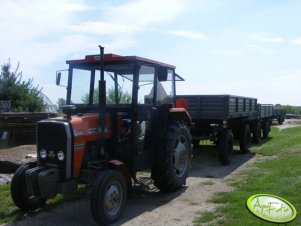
[265, 129]
[280, 120]
[174, 159]
[244, 138]
[19, 192]
[225, 148]
[256, 134]
[108, 197]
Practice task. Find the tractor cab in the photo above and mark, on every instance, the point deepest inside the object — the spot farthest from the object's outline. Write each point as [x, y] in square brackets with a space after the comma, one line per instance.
[129, 80]
[136, 93]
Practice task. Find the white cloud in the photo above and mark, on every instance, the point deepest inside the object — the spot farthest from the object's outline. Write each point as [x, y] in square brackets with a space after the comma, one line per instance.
[297, 41]
[189, 34]
[40, 34]
[102, 28]
[228, 53]
[25, 20]
[265, 38]
[143, 14]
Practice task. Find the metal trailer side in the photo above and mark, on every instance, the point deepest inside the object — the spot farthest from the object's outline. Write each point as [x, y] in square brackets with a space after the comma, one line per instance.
[221, 118]
[220, 107]
[265, 111]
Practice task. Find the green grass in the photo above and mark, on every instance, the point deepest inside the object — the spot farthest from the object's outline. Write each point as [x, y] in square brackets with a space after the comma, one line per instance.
[279, 174]
[205, 217]
[9, 212]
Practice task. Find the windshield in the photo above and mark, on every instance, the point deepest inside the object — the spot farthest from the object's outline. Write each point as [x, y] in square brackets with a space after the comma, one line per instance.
[119, 79]
[119, 85]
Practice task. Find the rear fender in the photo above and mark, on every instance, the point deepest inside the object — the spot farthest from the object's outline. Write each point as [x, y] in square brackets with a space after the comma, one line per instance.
[118, 165]
[179, 114]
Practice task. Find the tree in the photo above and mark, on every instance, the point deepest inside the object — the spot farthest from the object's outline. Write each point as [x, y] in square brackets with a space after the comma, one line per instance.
[124, 97]
[22, 94]
[61, 102]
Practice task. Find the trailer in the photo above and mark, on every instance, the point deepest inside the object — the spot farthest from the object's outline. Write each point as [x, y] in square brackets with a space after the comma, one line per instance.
[279, 114]
[265, 117]
[222, 118]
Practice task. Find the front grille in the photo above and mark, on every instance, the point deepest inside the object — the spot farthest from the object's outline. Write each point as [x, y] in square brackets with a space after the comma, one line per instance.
[54, 136]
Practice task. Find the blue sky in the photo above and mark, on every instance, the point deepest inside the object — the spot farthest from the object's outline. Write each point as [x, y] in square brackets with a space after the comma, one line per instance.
[240, 47]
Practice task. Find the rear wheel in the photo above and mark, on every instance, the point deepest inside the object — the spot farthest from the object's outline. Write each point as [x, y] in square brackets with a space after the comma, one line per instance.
[244, 138]
[256, 132]
[108, 197]
[265, 129]
[174, 159]
[225, 148]
[19, 192]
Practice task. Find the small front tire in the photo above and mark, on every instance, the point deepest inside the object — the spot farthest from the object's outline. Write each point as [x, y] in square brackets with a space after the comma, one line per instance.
[19, 192]
[108, 198]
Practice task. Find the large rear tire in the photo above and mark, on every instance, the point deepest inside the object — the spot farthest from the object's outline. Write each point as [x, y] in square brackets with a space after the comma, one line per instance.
[108, 198]
[225, 148]
[19, 192]
[174, 159]
[244, 138]
[256, 134]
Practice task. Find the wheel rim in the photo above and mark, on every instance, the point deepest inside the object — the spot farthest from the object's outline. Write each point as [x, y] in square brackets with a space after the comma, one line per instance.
[180, 156]
[113, 198]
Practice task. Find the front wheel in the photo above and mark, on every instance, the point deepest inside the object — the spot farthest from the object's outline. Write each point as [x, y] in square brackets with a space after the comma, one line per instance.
[108, 198]
[174, 158]
[19, 192]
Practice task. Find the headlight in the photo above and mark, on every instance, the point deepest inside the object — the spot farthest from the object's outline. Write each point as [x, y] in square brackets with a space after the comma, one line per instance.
[43, 153]
[60, 155]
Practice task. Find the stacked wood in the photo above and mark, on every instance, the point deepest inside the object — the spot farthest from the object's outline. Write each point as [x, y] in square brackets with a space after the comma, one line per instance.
[20, 128]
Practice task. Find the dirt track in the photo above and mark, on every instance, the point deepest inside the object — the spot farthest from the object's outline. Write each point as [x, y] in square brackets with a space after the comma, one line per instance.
[147, 206]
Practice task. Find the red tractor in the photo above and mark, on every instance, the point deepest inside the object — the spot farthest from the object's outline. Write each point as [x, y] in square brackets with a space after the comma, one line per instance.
[120, 117]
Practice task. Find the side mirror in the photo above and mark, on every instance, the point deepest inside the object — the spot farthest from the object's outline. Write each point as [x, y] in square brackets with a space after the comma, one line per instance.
[58, 78]
[162, 74]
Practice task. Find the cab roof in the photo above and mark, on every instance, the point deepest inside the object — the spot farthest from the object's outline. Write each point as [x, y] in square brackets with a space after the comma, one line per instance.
[113, 58]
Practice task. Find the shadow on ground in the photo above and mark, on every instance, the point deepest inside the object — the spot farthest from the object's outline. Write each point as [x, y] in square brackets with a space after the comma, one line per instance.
[145, 197]
[206, 162]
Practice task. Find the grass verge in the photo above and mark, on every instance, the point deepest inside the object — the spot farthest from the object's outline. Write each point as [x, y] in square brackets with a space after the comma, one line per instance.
[279, 174]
